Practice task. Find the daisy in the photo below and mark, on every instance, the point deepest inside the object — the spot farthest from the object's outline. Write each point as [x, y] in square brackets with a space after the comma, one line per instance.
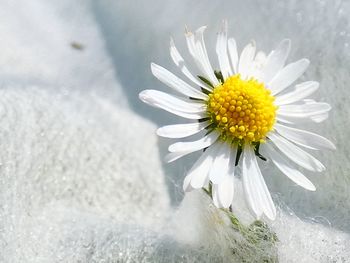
[246, 110]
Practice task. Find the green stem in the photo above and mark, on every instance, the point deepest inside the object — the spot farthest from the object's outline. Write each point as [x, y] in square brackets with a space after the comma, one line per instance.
[255, 232]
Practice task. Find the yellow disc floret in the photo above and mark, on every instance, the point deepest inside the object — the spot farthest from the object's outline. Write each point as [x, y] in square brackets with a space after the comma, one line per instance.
[242, 109]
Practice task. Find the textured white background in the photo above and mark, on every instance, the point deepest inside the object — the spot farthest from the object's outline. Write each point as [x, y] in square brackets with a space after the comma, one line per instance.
[78, 159]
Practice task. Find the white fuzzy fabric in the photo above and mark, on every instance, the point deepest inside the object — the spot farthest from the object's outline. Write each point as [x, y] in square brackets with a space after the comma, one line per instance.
[81, 178]
[68, 154]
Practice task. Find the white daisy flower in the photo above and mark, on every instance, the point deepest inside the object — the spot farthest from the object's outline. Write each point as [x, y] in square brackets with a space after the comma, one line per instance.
[245, 108]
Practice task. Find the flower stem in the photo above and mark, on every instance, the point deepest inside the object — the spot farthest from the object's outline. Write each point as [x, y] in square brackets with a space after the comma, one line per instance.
[258, 236]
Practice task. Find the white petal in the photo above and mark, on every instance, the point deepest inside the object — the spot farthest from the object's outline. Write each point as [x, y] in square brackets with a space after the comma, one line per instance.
[195, 145]
[300, 92]
[296, 154]
[200, 169]
[198, 51]
[319, 117]
[202, 51]
[302, 119]
[176, 83]
[256, 192]
[260, 58]
[191, 45]
[257, 66]
[185, 105]
[232, 49]
[293, 174]
[246, 60]
[221, 164]
[221, 193]
[180, 62]
[306, 101]
[186, 184]
[285, 119]
[171, 157]
[304, 110]
[221, 51]
[215, 196]
[288, 75]
[192, 48]
[199, 36]
[304, 138]
[172, 104]
[181, 130]
[276, 60]
[225, 191]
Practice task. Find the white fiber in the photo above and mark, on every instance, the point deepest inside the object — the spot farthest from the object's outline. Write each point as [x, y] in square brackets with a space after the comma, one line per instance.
[82, 177]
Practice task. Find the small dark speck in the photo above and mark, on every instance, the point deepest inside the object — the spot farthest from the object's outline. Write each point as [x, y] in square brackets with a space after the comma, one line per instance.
[77, 46]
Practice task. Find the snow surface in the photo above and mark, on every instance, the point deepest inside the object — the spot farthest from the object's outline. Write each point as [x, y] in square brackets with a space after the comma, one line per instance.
[81, 177]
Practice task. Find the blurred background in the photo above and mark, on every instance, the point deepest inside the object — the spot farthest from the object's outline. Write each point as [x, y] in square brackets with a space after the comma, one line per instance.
[79, 146]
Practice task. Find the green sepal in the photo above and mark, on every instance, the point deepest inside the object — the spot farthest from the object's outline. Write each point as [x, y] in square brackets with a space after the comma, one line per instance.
[206, 81]
[219, 76]
[256, 151]
[239, 153]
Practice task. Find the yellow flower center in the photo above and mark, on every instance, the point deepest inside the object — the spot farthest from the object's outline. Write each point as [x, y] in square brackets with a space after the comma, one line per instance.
[242, 109]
